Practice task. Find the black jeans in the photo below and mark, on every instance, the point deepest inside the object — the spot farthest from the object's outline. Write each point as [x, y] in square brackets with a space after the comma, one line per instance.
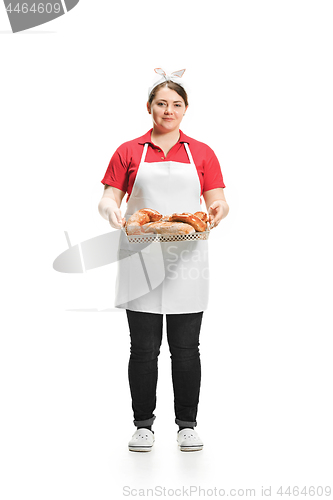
[183, 338]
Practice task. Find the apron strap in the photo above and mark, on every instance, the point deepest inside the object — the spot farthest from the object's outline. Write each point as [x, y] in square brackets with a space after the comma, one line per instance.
[187, 147]
[143, 157]
[188, 153]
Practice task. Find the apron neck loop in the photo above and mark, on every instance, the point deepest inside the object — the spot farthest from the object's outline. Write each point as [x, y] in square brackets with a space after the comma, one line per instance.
[189, 153]
[145, 148]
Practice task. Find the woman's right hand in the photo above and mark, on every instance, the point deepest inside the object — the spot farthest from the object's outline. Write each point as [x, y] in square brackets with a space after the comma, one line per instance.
[109, 205]
[115, 218]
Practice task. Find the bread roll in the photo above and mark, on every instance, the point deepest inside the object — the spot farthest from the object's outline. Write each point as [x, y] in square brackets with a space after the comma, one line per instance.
[139, 218]
[198, 224]
[168, 228]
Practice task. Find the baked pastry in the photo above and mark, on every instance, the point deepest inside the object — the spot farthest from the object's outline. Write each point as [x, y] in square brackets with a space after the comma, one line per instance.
[161, 227]
[198, 224]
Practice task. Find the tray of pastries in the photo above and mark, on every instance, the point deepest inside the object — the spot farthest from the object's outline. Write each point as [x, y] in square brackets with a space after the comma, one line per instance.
[148, 225]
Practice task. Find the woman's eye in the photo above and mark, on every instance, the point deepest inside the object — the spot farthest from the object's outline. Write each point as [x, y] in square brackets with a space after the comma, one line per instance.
[160, 104]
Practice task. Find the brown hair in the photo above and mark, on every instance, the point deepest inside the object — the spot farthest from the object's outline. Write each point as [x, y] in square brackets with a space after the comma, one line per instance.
[171, 85]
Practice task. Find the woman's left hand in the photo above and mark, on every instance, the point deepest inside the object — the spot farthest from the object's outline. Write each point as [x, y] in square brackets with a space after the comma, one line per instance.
[216, 205]
[215, 212]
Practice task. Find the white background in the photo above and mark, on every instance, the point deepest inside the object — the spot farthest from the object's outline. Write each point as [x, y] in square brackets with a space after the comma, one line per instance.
[260, 84]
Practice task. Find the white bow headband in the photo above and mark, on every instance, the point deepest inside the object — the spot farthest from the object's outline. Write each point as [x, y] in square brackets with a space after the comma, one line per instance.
[174, 77]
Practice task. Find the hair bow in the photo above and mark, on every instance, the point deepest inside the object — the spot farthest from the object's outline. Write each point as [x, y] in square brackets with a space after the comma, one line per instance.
[178, 74]
[174, 77]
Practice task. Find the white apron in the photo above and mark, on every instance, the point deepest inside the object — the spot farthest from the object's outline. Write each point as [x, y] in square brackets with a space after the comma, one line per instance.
[163, 277]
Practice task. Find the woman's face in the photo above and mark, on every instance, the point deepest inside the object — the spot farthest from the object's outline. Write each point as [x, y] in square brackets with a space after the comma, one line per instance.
[167, 110]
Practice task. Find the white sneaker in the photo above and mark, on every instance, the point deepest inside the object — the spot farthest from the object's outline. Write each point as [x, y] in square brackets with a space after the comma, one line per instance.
[188, 440]
[142, 440]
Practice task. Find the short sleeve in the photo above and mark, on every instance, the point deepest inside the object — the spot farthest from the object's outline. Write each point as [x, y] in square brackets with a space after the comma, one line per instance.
[213, 177]
[116, 174]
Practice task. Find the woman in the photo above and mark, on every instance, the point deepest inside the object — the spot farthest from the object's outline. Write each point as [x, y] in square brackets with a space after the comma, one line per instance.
[167, 171]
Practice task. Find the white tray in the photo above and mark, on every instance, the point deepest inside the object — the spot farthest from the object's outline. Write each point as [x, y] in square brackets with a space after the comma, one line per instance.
[151, 238]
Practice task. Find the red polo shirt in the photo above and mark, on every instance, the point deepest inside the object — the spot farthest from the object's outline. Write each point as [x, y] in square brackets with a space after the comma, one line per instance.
[125, 162]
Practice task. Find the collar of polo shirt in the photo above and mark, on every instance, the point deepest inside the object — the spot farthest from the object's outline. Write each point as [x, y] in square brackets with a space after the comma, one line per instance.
[147, 138]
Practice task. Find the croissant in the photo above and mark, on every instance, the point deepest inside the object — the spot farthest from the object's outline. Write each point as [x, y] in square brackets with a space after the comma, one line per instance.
[139, 218]
[198, 224]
